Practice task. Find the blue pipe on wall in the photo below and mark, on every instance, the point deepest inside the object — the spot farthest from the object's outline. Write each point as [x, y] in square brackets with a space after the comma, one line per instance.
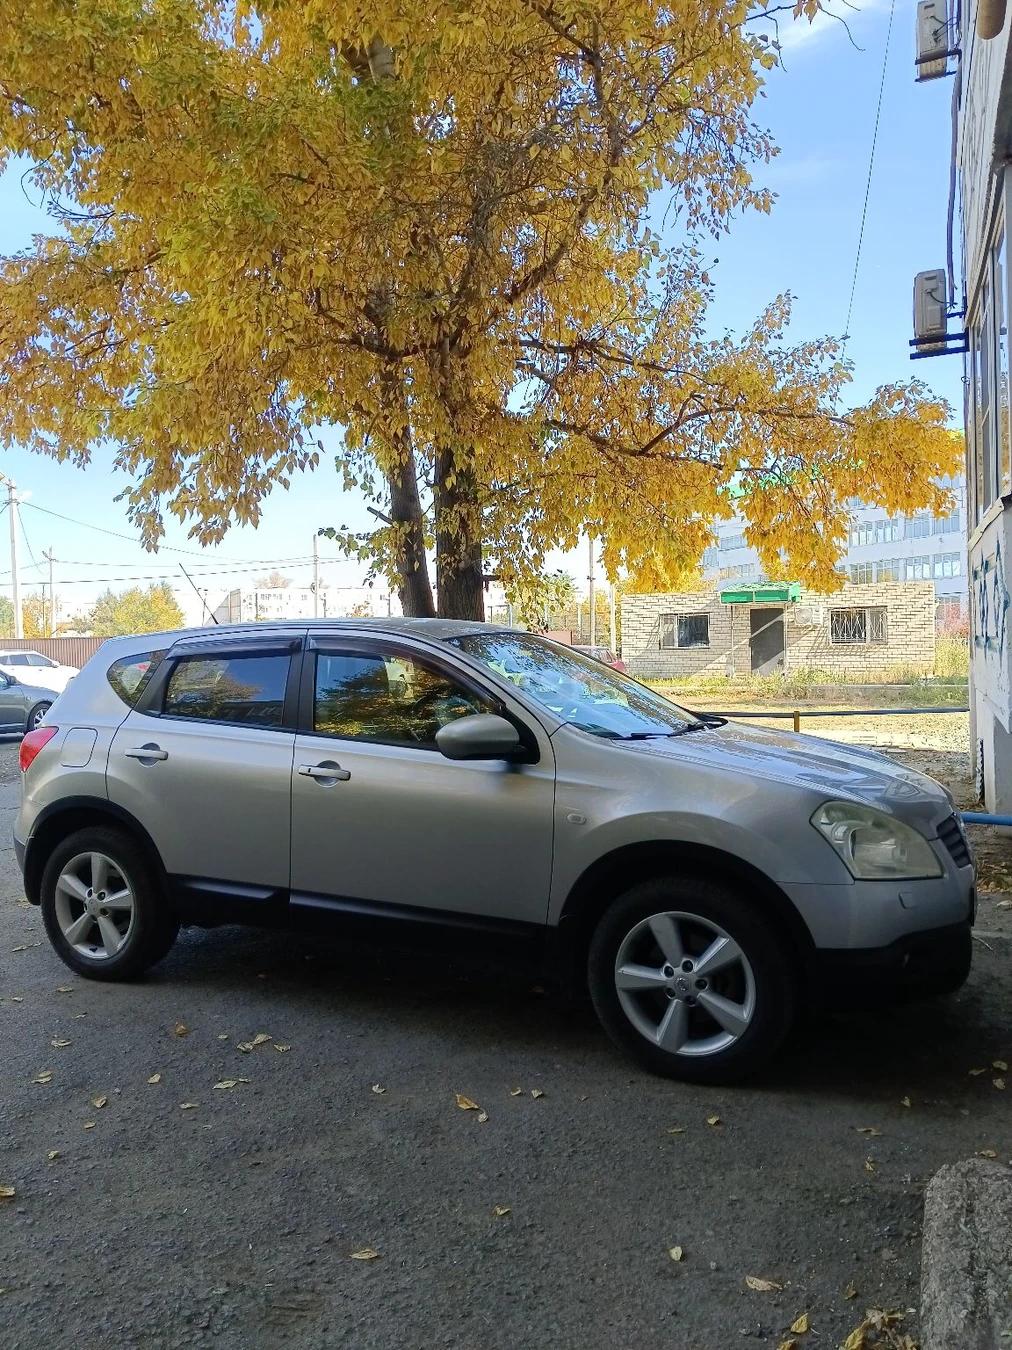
[984, 818]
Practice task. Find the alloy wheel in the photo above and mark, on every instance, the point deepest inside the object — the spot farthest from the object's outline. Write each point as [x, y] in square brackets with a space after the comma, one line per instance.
[94, 906]
[685, 984]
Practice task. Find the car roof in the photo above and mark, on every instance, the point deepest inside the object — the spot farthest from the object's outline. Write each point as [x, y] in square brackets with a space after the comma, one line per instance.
[433, 629]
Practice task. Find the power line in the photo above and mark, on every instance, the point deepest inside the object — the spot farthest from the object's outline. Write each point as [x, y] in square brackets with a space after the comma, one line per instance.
[867, 186]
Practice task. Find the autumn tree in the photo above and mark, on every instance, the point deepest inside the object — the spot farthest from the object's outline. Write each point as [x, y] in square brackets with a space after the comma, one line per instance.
[537, 598]
[136, 610]
[272, 581]
[434, 226]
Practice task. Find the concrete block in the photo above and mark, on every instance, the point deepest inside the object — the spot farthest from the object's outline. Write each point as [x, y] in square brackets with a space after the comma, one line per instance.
[966, 1259]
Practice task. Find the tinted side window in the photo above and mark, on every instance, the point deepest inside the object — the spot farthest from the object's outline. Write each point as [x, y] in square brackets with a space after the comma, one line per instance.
[17, 659]
[37, 659]
[245, 689]
[130, 674]
[387, 698]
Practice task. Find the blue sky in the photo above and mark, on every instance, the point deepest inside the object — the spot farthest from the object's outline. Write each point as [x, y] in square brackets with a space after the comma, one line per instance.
[821, 110]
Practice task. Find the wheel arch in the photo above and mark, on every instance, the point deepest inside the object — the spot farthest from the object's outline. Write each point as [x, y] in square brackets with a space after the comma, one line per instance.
[615, 872]
[63, 818]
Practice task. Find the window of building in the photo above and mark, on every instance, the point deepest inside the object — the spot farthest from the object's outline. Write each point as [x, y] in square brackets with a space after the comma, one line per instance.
[862, 573]
[865, 624]
[917, 568]
[730, 541]
[918, 527]
[246, 689]
[710, 557]
[385, 697]
[1004, 448]
[947, 565]
[948, 524]
[988, 452]
[685, 630]
[888, 569]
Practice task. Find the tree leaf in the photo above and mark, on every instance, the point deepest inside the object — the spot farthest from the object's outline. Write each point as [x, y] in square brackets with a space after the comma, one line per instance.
[379, 1091]
[227, 1083]
[281, 1049]
[180, 1029]
[676, 1129]
[1000, 1065]
[500, 1211]
[904, 1101]
[188, 1106]
[58, 1044]
[155, 1078]
[999, 1083]
[986, 1153]
[801, 1324]
[870, 1165]
[676, 1253]
[465, 1103]
[762, 1286]
[46, 1076]
[261, 1038]
[99, 1102]
[366, 1254]
[516, 1092]
[536, 1092]
[851, 1290]
[53, 1154]
[482, 1117]
[714, 1120]
[7, 1192]
[867, 1129]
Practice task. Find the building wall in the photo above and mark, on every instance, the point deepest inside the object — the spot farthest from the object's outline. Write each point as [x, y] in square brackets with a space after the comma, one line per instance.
[910, 633]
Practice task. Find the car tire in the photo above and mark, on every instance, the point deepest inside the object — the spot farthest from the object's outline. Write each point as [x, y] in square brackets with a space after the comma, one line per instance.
[754, 992]
[36, 715]
[139, 912]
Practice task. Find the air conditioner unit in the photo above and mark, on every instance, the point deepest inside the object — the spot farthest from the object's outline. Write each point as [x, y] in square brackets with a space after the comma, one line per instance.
[932, 39]
[808, 616]
[930, 307]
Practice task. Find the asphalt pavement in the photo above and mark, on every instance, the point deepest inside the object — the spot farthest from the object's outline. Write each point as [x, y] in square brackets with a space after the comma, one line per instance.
[162, 1200]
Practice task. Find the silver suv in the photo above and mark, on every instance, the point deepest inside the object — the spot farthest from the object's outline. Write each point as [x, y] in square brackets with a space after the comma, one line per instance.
[702, 878]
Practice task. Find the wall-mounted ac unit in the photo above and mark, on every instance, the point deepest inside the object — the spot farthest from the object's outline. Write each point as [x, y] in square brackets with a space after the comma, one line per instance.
[932, 39]
[930, 305]
[809, 616]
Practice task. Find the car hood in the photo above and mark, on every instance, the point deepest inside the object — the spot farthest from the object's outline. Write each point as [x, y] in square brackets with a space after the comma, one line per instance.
[826, 768]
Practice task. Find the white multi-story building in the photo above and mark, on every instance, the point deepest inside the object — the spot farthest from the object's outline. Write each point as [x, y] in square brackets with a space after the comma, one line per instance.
[259, 604]
[880, 548]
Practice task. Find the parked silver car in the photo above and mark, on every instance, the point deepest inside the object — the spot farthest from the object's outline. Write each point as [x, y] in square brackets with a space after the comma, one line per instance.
[23, 706]
[703, 878]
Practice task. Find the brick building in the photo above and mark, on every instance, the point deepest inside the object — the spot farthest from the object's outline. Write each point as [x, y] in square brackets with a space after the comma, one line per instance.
[859, 630]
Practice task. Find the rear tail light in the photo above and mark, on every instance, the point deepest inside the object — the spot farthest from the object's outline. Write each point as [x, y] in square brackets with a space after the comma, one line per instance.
[33, 743]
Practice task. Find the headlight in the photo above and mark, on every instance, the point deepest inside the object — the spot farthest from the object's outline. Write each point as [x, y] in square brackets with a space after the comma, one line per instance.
[874, 846]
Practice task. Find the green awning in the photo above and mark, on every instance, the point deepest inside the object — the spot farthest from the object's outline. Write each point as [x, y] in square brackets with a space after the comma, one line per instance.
[782, 594]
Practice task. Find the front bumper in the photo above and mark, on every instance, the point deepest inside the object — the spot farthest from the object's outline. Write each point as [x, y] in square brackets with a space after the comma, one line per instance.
[917, 965]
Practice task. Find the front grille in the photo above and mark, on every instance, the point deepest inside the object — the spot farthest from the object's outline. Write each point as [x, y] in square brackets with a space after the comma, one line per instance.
[951, 834]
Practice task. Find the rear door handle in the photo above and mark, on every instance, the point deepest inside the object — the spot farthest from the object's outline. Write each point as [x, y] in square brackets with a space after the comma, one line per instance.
[327, 772]
[146, 753]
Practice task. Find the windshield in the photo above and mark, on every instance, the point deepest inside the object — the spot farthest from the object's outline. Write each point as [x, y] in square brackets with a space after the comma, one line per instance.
[578, 689]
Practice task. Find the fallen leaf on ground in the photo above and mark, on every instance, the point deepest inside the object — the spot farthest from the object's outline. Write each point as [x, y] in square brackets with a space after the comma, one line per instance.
[89, 1124]
[281, 1048]
[789, 1344]
[986, 1153]
[99, 1102]
[875, 1319]
[904, 1101]
[482, 1117]
[516, 1092]
[7, 1192]
[223, 1035]
[53, 1154]
[1003, 904]
[676, 1253]
[677, 1129]
[17, 998]
[870, 1165]
[379, 1091]
[501, 1211]
[851, 1290]
[155, 1078]
[975, 1073]
[180, 1029]
[187, 1106]
[1000, 1065]
[801, 1324]
[23, 947]
[57, 1044]
[79, 1015]
[536, 1092]
[762, 1286]
[366, 1254]
[714, 1120]
[64, 988]
[261, 1038]
[867, 1129]
[44, 1077]
[465, 1103]
[999, 1084]
[231, 1082]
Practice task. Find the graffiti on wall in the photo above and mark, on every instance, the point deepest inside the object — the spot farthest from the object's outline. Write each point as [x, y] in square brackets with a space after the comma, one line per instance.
[990, 602]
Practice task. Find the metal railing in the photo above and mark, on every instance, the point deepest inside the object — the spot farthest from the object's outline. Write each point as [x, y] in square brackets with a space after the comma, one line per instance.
[796, 714]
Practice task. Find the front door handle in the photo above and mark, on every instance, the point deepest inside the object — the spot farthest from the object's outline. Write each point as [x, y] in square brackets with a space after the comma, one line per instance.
[327, 772]
[147, 754]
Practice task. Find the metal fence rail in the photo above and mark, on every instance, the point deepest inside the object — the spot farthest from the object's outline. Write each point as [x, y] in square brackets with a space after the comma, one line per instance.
[796, 714]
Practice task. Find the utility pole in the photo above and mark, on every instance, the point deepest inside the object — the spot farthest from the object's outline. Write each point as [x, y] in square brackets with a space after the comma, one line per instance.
[590, 596]
[52, 594]
[316, 576]
[12, 512]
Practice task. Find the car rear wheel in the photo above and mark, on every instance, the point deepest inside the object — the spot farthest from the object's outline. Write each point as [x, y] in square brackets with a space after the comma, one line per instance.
[688, 979]
[103, 907]
[36, 715]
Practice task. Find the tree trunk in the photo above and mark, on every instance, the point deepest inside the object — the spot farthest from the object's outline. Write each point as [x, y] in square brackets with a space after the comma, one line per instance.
[459, 579]
[413, 585]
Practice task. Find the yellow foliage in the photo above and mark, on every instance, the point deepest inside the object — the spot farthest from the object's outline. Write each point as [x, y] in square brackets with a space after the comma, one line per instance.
[425, 223]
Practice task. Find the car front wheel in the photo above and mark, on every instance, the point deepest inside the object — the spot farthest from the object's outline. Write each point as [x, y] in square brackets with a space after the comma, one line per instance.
[104, 909]
[688, 979]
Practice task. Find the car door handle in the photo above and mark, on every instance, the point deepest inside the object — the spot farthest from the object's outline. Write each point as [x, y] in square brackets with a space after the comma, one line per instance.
[327, 772]
[148, 753]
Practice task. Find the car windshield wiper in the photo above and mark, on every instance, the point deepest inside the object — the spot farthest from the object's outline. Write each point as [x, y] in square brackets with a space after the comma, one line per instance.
[652, 735]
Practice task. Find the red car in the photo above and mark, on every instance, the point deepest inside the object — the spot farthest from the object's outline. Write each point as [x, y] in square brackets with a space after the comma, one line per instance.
[605, 655]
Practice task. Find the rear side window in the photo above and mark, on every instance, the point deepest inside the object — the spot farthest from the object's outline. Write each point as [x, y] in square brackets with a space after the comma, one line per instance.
[130, 674]
[246, 689]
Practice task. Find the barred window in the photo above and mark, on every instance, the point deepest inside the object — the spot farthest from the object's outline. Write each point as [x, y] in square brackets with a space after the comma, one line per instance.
[860, 625]
[685, 630]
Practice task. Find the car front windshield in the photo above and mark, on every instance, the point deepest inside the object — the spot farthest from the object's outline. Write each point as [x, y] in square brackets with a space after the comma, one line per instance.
[576, 688]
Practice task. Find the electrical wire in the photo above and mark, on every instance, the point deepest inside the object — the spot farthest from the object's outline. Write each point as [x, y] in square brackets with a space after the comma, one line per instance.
[867, 186]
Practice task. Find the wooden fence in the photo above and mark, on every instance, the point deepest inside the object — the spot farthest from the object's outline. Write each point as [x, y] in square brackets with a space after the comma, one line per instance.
[69, 651]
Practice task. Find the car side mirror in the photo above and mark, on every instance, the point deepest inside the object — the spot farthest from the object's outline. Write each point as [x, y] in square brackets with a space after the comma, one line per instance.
[480, 736]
